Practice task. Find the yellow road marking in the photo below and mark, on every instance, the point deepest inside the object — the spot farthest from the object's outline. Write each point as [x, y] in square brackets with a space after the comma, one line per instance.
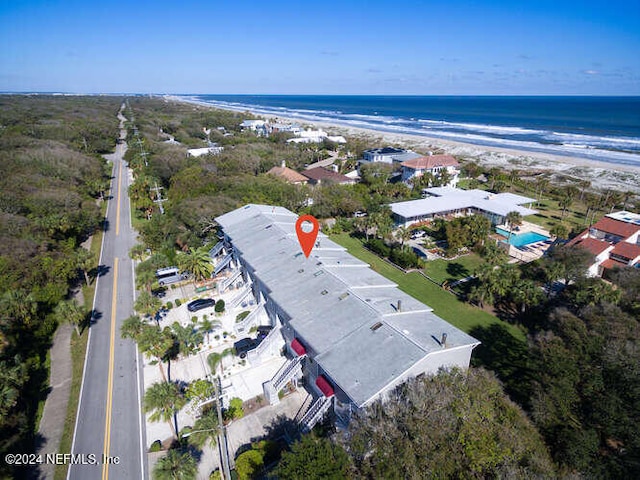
[112, 341]
[119, 195]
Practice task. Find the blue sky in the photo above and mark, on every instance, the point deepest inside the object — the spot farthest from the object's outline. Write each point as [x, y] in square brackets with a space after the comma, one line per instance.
[351, 47]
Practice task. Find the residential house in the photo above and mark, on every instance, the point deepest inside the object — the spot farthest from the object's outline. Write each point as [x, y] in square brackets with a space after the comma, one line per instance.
[614, 241]
[449, 201]
[388, 155]
[349, 332]
[324, 176]
[431, 164]
[212, 149]
[287, 174]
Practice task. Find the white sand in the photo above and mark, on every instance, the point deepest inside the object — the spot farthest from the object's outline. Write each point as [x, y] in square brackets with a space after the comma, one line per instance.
[602, 175]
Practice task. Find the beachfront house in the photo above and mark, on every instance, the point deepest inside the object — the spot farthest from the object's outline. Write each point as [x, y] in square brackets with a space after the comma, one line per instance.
[435, 165]
[388, 155]
[348, 333]
[614, 242]
[448, 202]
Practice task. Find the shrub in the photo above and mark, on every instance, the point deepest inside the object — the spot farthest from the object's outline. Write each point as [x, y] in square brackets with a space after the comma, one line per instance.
[178, 302]
[217, 337]
[219, 308]
[155, 446]
[242, 315]
[194, 319]
[169, 305]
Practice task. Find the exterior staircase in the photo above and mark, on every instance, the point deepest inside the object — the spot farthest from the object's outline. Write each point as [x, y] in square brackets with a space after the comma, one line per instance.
[284, 375]
[217, 248]
[315, 413]
[223, 263]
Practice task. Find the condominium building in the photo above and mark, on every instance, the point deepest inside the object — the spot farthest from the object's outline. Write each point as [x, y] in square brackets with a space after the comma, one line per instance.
[349, 334]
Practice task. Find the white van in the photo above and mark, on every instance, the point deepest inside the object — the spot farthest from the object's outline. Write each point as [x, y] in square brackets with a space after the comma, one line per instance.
[169, 275]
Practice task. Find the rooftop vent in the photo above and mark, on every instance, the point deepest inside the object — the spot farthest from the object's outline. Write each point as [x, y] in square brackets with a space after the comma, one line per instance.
[376, 326]
[324, 292]
[318, 273]
[268, 226]
[344, 295]
[301, 270]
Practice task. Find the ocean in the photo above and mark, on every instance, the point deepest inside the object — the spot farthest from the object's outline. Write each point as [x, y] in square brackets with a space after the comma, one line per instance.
[597, 128]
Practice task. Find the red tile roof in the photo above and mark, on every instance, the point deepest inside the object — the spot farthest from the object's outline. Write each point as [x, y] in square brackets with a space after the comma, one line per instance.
[431, 161]
[609, 264]
[578, 238]
[616, 227]
[593, 245]
[321, 174]
[288, 174]
[627, 250]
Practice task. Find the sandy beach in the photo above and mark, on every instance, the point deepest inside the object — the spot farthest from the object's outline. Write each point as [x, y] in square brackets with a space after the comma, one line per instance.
[602, 175]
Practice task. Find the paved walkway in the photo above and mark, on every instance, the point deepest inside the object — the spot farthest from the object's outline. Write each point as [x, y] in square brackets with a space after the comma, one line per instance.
[55, 408]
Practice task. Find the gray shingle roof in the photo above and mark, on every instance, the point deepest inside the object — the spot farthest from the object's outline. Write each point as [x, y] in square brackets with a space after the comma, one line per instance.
[332, 300]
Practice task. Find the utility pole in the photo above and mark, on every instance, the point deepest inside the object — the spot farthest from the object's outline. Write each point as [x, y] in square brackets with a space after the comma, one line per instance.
[159, 198]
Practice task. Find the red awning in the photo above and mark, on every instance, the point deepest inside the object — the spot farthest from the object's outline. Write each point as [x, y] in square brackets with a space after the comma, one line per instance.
[298, 347]
[324, 386]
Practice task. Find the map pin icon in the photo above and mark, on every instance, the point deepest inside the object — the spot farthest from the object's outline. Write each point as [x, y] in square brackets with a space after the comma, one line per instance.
[307, 238]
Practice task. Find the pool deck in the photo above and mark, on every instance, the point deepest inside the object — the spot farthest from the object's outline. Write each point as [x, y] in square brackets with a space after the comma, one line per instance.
[532, 251]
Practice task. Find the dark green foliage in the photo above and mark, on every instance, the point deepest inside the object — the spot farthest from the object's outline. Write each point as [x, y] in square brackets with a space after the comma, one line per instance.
[402, 256]
[587, 392]
[313, 458]
[219, 308]
[250, 463]
[51, 178]
[466, 232]
[452, 425]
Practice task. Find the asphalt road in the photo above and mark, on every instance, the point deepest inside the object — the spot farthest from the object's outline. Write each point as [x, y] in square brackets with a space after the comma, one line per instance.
[109, 424]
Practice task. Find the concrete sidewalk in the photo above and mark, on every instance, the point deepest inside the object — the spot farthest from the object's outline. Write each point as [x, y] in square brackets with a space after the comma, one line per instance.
[55, 408]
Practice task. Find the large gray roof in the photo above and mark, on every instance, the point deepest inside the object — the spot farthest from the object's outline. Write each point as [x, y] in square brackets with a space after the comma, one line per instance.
[333, 299]
[445, 199]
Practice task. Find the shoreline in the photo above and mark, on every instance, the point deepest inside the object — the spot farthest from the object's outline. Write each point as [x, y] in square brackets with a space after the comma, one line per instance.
[601, 174]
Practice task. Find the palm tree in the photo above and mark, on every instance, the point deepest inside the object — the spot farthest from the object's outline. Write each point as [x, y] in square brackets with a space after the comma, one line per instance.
[187, 338]
[19, 305]
[404, 234]
[147, 304]
[85, 260]
[197, 262]
[207, 428]
[156, 343]
[207, 326]
[564, 203]
[176, 465]
[132, 328]
[70, 311]
[164, 400]
[514, 219]
[138, 251]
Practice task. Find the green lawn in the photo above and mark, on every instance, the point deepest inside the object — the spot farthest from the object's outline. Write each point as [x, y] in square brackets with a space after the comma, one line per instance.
[451, 270]
[444, 304]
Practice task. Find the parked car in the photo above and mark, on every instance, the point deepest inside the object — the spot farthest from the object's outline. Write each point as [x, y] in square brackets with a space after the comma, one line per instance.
[244, 345]
[169, 275]
[200, 304]
[263, 331]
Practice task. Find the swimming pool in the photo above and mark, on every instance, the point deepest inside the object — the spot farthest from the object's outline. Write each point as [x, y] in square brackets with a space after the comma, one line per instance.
[521, 239]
